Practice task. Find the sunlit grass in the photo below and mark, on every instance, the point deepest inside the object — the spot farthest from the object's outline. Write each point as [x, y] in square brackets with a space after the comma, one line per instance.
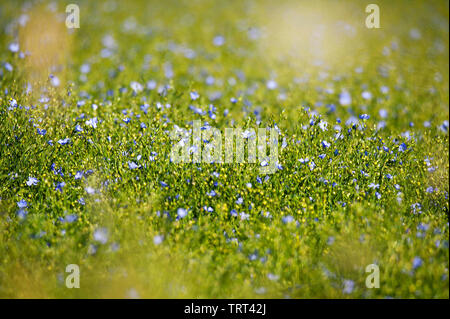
[377, 195]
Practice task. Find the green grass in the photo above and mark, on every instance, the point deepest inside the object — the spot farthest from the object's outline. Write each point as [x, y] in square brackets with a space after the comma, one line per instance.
[314, 52]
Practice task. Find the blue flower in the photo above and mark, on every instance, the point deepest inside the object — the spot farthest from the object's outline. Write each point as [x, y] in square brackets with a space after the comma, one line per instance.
[78, 128]
[402, 147]
[70, 218]
[41, 131]
[325, 144]
[208, 209]
[271, 85]
[349, 285]
[197, 110]
[304, 160]
[79, 175]
[330, 240]
[136, 86]
[364, 116]
[331, 108]
[8, 66]
[59, 186]
[417, 262]
[64, 141]
[211, 193]
[144, 108]
[345, 98]
[32, 181]
[444, 126]
[133, 165]
[219, 40]
[92, 122]
[365, 175]
[22, 204]
[423, 227]
[101, 235]
[244, 216]
[181, 213]
[14, 47]
[273, 277]
[233, 213]
[287, 219]
[90, 190]
[194, 95]
[163, 184]
[366, 95]
[323, 125]
[253, 256]
[266, 214]
[158, 239]
[416, 207]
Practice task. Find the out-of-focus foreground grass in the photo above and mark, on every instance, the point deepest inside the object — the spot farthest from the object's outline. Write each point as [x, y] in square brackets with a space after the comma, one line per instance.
[85, 175]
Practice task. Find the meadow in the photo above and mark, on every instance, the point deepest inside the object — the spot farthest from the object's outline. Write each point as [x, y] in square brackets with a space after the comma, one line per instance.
[362, 171]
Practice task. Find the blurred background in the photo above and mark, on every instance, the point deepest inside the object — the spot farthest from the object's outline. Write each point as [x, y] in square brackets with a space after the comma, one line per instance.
[263, 60]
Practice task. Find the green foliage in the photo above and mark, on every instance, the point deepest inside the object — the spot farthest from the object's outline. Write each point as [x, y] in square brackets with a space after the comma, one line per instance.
[378, 196]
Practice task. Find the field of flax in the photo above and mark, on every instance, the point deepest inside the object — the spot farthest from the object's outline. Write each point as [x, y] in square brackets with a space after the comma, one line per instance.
[86, 176]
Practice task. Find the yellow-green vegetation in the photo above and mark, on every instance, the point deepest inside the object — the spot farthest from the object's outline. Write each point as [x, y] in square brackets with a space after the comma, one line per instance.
[85, 170]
